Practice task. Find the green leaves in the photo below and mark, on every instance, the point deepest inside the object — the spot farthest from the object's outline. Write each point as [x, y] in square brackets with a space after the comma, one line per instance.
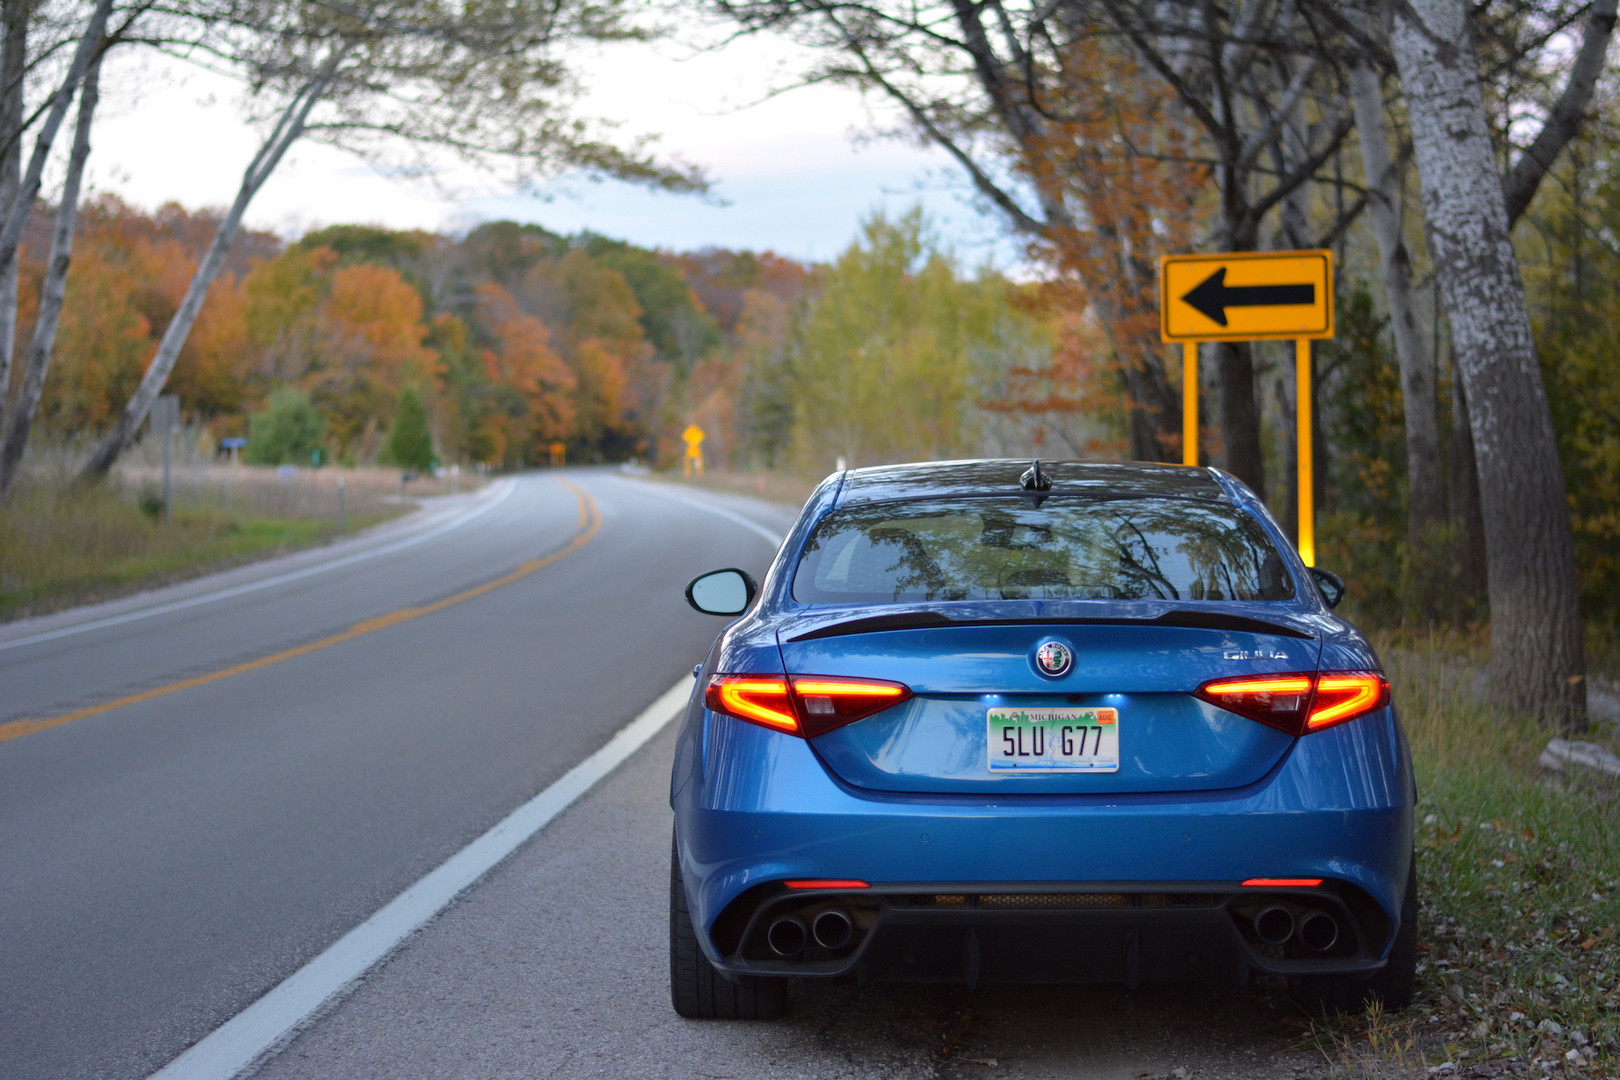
[287, 432]
[888, 358]
[410, 442]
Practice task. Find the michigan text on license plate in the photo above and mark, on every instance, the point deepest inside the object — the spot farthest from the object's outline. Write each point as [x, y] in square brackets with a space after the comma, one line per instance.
[1053, 740]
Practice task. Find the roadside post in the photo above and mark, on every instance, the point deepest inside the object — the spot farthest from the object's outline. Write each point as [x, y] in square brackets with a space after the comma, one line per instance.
[559, 454]
[693, 437]
[343, 514]
[166, 418]
[1250, 296]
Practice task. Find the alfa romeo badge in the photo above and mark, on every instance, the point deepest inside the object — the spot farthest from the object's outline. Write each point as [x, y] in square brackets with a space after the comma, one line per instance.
[1054, 658]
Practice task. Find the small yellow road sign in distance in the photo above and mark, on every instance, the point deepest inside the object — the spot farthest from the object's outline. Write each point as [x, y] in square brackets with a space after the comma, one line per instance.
[1246, 296]
[693, 437]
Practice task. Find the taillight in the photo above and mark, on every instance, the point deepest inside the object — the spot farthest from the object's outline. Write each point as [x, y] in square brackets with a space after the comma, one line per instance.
[1278, 700]
[1345, 696]
[805, 705]
[762, 699]
[826, 703]
[1299, 704]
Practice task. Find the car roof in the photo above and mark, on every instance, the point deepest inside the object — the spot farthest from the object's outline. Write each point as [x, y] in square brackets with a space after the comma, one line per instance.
[998, 476]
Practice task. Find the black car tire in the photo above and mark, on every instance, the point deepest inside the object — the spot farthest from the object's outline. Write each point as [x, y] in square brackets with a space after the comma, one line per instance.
[1392, 986]
[697, 988]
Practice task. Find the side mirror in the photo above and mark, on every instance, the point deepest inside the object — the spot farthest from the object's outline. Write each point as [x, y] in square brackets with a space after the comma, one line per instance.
[1329, 584]
[722, 592]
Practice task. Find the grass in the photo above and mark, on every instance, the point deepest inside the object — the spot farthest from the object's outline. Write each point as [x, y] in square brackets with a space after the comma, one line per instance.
[778, 487]
[62, 545]
[1519, 872]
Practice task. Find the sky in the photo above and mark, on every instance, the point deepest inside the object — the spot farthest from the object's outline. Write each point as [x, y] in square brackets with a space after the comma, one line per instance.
[793, 172]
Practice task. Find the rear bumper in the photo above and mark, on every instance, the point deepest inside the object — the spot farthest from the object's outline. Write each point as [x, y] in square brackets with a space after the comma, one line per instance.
[760, 808]
[1118, 932]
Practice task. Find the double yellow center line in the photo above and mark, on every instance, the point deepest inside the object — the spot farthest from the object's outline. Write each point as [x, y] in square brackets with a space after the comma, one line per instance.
[590, 521]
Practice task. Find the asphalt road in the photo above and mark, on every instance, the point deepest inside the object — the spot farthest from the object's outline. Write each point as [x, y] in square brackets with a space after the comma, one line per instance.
[166, 861]
[187, 840]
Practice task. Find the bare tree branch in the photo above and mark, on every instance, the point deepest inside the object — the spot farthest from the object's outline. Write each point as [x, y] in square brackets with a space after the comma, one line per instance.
[1567, 116]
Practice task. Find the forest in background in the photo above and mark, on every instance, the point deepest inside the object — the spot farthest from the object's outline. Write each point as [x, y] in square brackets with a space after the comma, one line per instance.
[514, 338]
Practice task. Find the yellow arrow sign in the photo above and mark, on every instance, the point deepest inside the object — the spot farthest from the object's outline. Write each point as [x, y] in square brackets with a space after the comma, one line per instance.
[1246, 296]
[693, 435]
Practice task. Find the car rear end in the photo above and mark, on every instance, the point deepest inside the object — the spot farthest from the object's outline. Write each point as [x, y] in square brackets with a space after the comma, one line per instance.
[1105, 730]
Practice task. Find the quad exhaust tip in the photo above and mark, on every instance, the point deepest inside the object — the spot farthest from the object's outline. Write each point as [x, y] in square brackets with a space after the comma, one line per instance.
[1274, 925]
[833, 929]
[787, 936]
[1318, 931]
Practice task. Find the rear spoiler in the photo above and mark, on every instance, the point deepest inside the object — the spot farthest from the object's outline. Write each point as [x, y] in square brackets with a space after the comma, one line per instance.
[922, 620]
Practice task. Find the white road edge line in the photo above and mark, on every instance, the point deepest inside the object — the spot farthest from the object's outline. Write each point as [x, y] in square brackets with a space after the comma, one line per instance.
[267, 583]
[774, 538]
[240, 1041]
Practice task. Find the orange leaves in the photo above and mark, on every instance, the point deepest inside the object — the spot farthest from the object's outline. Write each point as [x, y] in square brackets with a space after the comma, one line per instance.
[523, 360]
[208, 375]
[1119, 159]
[514, 337]
[373, 307]
[101, 347]
[369, 346]
[602, 384]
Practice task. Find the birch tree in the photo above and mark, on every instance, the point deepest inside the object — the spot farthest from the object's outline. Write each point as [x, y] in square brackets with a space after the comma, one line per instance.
[15, 212]
[1426, 496]
[13, 63]
[19, 190]
[19, 420]
[1520, 33]
[487, 82]
[1537, 663]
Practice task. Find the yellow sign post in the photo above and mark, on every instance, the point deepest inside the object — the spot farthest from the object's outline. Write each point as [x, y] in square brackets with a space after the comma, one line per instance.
[693, 437]
[1250, 296]
[559, 450]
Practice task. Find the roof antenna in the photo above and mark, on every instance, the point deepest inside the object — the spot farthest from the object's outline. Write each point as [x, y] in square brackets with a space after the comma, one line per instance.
[1035, 483]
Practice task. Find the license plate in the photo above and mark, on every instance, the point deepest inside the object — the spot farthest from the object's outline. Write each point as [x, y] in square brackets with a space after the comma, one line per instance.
[1053, 740]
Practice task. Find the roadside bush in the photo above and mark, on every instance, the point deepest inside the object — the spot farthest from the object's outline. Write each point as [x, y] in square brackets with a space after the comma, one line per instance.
[287, 432]
[410, 443]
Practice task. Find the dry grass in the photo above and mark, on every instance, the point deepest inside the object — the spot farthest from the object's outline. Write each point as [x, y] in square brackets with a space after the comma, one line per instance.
[774, 487]
[61, 544]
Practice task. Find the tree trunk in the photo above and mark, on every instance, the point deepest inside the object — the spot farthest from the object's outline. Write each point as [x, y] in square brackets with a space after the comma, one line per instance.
[13, 58]
[287, 130]
[1464, 508]
[1240, 414]
[1426, 506]
[1537, 661]
[15, 214]
[53, 288]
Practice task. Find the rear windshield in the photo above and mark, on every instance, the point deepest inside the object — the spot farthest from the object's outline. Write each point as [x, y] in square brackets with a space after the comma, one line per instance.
[1067, 548]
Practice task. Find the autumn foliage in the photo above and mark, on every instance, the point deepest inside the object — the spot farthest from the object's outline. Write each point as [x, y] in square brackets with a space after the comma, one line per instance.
[514, 338]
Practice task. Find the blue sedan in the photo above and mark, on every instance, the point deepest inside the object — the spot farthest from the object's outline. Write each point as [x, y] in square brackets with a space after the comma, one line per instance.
[1049, 722]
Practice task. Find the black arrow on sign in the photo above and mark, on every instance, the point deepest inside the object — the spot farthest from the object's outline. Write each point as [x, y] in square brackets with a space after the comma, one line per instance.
[1213, 296]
